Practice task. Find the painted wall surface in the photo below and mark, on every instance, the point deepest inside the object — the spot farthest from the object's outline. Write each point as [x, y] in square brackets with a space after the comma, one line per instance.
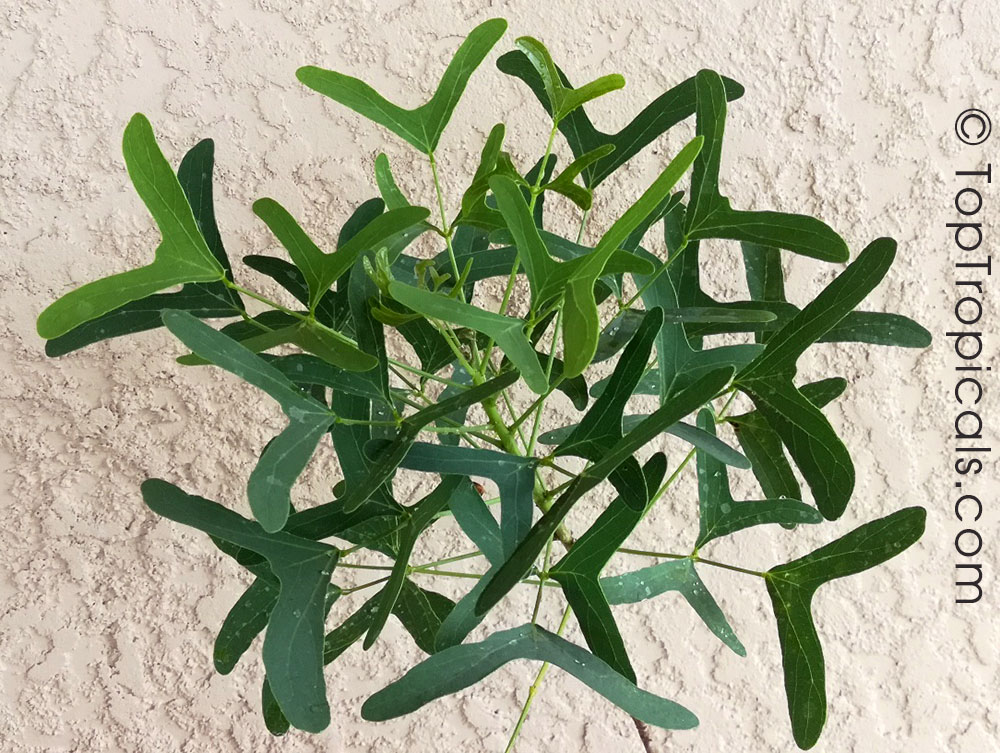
[107, 614]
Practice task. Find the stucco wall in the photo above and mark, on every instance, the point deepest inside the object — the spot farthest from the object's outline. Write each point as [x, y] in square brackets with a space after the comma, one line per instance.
[107, 615]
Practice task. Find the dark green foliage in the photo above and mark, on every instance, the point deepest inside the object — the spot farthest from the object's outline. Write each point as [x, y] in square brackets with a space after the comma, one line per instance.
[465, 403]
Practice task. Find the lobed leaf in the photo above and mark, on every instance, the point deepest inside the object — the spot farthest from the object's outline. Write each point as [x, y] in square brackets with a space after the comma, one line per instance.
[458, 667]
[293, 646]
[709, 214]
[659, 116]
[791, 587]
[422, 126]
[579, 572]
[675, 575]
[280, 464]
[721, 515]
[518, 564]
[183, 255]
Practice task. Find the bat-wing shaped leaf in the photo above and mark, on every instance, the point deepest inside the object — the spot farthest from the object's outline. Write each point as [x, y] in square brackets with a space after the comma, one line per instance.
[675, 575]
[813, 444]
[286, 456]
[293, 646]
[182, 256]
[419, 610]
[320, 269]
[659, 116]
[205, 300]
[518, 564]
[824, 312]
[563, 99]
[458, 667]
[579, 572]
[392, 453]
[422, 127]
[506, 331]
[721, 515]
[791, 587]
[514, 476]
[419, 517]
[709, 214]
[763, 447]
[581, 328]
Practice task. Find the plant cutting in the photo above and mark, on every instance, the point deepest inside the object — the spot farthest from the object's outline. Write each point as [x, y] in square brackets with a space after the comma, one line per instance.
[441, 368]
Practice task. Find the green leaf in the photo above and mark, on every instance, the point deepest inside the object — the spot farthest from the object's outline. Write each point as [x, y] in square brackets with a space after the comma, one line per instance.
[563, 99]
[721, 515]
[183, 255]
[819, 453]
[709, 214]
[320, 269]
[708, 443]
[422, 127]
[458, 667]
[204, 300]
[368, 331]
[418, 610]
[817, 450]
[286, 456]
[659, 116]
[142, 315]
[476, 210]
[506, 331]
[580, 318]
[576, 279]
[421, 611]
[877, 328]
[791, 587]
[579, 572]
[330, 310]
[514, 476]
[393, 453]
[765, 277]
[828, 308]
[302, 369]
[477, 522]
[674, 575]
[245, 621]
[679, 363]
[293, 646]
[762, 444]
[565, 182]
[418, 518]
[518, 564]
[499, 261]
[601, 426]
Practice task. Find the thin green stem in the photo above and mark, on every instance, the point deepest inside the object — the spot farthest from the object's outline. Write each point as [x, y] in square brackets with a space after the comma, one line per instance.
[363, 586]
[654, 277]
[692, 557]
[548, 377]
[456, 558]
[533, 690]
[542, 577]
[512, 278]
[583, 226]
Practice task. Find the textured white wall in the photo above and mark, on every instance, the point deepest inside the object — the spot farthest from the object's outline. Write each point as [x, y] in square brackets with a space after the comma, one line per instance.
[107, 615]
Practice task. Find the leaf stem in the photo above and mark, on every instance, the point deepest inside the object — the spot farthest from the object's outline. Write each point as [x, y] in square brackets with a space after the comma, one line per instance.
[535, 686]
